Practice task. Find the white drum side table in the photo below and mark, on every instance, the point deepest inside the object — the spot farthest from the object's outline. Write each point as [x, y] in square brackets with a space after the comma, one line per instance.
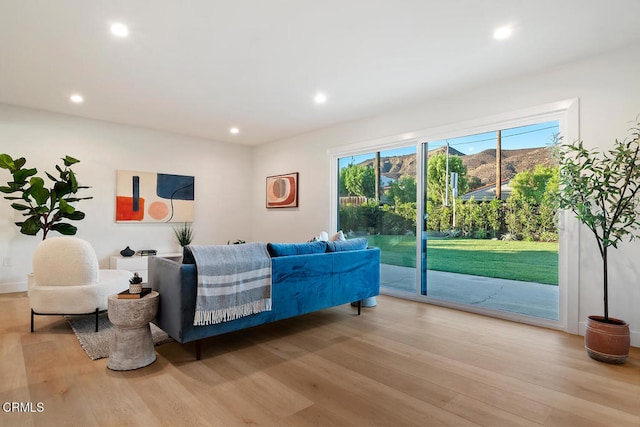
[132, 346]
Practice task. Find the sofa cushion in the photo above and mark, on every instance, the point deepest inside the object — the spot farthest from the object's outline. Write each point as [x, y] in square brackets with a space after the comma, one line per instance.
[347, 245]
[285, 249]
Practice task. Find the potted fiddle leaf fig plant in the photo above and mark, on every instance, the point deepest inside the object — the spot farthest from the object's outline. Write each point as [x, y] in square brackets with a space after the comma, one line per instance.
[602, 188]
[44, 208]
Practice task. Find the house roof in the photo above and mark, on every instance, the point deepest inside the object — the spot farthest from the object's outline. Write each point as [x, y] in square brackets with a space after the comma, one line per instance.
[201, 67]
[489, 191]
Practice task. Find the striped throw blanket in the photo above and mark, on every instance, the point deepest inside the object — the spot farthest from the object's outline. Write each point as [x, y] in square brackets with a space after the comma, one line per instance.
[233, 281]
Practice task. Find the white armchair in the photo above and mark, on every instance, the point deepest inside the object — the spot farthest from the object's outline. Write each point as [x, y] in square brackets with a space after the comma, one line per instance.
[67, 279]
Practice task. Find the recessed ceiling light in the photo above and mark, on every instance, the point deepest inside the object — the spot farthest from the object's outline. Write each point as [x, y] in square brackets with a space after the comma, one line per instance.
[76, 98]
[234, 130]
[118, 29]
[502, 33]
[320, 98]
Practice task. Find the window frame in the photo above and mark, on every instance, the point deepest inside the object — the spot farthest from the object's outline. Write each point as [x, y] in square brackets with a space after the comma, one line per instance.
[566, 112]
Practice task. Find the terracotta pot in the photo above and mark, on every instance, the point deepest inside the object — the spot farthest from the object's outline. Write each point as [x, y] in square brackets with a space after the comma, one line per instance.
[607, 341]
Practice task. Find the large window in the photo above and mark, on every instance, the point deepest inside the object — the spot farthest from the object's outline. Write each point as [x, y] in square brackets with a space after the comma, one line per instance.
[462, 214]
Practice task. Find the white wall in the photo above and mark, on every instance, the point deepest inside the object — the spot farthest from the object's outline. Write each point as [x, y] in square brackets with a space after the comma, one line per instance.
[220, 171]
[609, 91]
[228, 176]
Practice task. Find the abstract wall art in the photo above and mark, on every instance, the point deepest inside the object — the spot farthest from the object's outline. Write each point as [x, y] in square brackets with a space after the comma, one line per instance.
[154, 197]
[282, 191]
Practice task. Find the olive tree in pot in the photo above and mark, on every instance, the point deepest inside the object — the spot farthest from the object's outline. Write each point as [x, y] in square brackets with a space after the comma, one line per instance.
[43, 208]
[603, 189]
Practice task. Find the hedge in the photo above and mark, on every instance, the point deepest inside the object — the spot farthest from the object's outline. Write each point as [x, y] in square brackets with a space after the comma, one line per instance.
[514, 218]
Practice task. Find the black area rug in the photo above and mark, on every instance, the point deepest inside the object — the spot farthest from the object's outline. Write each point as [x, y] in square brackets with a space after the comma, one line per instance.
[97, 344]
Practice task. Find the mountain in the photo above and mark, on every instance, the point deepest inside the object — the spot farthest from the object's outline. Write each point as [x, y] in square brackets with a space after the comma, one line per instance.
[481, 165]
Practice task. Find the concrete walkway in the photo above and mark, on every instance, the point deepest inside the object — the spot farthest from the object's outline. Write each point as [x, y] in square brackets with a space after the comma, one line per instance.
[531, 299]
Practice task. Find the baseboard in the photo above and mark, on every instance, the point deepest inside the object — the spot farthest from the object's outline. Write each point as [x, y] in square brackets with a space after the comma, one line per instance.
[6, 288]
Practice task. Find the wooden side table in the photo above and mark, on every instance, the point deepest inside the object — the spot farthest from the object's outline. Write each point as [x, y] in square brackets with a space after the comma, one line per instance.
[132, 346]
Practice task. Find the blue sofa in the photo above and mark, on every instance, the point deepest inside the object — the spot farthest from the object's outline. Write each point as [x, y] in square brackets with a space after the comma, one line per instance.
[303, 280]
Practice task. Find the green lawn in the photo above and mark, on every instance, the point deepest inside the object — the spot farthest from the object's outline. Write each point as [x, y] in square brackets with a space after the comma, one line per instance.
[516, 260]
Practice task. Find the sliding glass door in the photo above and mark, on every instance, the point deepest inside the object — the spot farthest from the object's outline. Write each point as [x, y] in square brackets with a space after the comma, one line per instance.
[377, 199]
[488, 232]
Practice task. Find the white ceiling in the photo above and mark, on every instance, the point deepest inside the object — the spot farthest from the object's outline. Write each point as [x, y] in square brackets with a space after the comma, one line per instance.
[199, 67]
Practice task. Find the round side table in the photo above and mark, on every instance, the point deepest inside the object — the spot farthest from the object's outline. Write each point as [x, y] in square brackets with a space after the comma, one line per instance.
[132, 346]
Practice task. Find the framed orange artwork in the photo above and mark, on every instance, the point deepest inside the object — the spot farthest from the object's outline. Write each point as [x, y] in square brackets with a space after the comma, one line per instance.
[154, 197]
[282, 191]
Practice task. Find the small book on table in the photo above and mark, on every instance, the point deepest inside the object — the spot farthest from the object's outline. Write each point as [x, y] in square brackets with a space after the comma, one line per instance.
[127, 295]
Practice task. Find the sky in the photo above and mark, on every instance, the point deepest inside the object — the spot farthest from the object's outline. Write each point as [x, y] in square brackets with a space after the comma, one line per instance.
[532, 136]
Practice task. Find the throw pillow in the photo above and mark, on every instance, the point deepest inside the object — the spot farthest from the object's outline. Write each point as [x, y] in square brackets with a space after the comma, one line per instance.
[324, 237]
[338, 236]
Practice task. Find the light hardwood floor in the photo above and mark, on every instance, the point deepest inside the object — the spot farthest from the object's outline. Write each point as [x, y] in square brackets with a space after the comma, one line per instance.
[401, 363]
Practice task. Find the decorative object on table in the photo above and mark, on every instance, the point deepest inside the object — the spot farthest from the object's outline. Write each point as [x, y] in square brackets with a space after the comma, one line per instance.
[147, 252]
[184, 234]
[43, 208]
[135, 284]
[127, 294]
[126, 252]
[602, 189]
[282, 191]
[98, 344]
[236, 242]
[154, 197]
